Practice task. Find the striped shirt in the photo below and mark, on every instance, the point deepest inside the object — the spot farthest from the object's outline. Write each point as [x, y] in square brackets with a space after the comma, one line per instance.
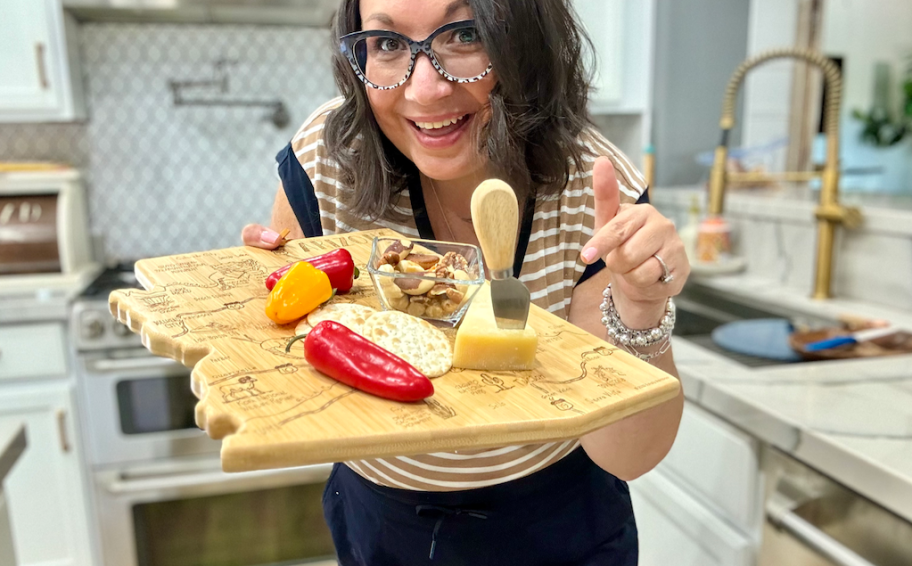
[551, 268]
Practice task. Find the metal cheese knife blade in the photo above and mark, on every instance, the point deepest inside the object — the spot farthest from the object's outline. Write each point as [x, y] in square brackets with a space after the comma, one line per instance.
[495, 215]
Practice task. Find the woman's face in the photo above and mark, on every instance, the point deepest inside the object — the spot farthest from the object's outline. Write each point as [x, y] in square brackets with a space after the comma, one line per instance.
[411, 116]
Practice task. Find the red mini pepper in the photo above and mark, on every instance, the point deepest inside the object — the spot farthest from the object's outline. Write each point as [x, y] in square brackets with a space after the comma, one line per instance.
[337, 264]
[356, 361]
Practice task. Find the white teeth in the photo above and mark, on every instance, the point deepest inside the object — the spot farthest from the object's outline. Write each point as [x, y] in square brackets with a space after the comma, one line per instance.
[437, 125]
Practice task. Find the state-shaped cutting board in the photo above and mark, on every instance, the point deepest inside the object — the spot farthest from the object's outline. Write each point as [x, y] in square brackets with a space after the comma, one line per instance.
[271, 409]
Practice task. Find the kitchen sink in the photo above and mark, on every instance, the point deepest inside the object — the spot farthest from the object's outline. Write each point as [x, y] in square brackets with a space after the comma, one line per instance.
[700, 311]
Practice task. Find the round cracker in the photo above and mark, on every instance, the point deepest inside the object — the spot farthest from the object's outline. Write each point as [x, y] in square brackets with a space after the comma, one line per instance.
[352, 316]
[303, 327]
[414, 340]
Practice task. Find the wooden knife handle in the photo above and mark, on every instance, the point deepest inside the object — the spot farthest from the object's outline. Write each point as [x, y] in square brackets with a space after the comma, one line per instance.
[495, 215]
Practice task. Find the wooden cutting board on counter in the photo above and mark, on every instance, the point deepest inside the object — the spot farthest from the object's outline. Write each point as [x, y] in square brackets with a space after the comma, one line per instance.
[272, 409]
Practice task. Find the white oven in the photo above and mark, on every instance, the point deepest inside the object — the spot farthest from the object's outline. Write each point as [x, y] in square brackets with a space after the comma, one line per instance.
[159, 494]
[139, 408]
[187, 512]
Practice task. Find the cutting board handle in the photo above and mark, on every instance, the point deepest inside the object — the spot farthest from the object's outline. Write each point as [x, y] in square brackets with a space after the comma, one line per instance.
[495, 215]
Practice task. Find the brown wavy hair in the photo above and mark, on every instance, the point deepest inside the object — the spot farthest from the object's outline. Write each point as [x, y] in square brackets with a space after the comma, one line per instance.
[537, 108]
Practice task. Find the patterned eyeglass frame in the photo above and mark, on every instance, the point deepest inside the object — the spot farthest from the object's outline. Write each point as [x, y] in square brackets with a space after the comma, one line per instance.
[347, 43]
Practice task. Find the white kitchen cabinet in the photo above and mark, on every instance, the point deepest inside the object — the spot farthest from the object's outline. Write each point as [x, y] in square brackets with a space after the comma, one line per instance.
[676, 529]
[702, 503]
[718, 465]
[46, 491]
[18, 359]
[622, 36]
[39, 71]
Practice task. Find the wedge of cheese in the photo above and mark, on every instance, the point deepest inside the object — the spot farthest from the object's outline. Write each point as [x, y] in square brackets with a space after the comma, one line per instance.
[481, 345]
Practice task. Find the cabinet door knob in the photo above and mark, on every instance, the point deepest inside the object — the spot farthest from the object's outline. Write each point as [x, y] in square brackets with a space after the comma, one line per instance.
[42, 68]
[62, 430]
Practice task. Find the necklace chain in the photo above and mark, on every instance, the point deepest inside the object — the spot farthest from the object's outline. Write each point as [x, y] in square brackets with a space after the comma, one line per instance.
[442, 210]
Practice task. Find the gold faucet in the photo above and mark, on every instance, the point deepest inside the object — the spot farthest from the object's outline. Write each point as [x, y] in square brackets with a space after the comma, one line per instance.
[829, 212]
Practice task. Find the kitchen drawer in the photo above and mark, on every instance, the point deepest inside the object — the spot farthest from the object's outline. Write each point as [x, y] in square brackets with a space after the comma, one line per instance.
[32, 350]
[676, 529]
[717, 464]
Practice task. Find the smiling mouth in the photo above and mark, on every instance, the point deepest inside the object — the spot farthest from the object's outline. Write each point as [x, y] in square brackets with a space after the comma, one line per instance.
[440, 128]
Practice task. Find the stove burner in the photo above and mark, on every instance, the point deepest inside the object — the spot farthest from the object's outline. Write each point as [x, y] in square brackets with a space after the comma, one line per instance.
[128, 277]
[120, 276]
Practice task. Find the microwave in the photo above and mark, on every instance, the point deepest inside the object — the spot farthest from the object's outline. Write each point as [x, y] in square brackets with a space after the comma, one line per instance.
[44, 231]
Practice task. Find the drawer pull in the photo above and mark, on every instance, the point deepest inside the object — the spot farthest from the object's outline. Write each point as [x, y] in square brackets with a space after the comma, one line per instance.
[42, 68]
[62, 431]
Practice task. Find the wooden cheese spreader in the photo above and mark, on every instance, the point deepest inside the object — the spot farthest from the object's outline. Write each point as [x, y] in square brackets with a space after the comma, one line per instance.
[272, 409]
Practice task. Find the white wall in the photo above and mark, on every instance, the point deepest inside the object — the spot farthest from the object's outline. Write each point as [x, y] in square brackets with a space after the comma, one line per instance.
[865, 32]
[862, 32]
[767, 89]
[699, 43]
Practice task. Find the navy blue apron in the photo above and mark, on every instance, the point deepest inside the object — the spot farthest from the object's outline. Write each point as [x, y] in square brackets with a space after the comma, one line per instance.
[572, 513]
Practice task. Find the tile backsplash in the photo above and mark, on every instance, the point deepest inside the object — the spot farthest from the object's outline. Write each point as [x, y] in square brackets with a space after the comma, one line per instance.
[165, 179]
[776, 232]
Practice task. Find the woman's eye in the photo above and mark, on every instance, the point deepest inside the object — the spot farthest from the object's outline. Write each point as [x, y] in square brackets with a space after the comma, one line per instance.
[467, 35]
[388, 44]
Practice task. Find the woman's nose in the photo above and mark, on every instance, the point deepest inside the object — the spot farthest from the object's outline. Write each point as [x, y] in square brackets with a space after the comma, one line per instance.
[426, 84]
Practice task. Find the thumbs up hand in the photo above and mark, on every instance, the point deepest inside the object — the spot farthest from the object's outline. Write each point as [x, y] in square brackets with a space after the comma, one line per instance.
[634, 241]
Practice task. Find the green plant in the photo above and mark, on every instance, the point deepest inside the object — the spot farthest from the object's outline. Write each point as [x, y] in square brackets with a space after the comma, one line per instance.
[881, 129]
[907, 89]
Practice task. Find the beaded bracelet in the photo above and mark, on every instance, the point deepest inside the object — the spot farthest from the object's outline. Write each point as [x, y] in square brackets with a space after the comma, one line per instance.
[629, 338]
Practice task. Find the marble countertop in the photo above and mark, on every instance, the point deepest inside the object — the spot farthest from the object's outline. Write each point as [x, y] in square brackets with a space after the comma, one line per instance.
[12, 444]
[34, 306]
[852, 420]
[42, 297]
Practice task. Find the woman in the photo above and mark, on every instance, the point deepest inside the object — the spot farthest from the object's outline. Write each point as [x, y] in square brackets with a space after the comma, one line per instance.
[438, 95]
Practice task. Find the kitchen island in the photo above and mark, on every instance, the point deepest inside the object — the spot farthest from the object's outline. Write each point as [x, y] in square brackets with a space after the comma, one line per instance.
[849, 419]
[764, 443]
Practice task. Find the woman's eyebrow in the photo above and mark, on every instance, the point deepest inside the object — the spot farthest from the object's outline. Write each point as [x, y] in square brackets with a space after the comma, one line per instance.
[387, 20]
[454, 6]
[380, 17]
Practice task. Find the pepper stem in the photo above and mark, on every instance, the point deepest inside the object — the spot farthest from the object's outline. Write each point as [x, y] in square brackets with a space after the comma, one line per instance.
[293, 340]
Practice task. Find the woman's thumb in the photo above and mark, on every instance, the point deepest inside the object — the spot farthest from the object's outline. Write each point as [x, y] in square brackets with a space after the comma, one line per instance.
[260, 237]
[606, 190]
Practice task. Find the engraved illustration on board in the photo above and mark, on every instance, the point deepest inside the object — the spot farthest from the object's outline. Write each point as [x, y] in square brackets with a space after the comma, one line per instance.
[205, 310]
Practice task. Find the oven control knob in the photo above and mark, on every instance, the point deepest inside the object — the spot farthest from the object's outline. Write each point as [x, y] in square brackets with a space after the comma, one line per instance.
[120, 330]
[93, 326]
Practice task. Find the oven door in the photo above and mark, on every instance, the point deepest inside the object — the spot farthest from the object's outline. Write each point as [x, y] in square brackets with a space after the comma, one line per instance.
[187, 512]
[139, 407]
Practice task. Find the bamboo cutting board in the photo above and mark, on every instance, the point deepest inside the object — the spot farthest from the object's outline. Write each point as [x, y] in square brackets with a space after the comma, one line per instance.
[273, 410]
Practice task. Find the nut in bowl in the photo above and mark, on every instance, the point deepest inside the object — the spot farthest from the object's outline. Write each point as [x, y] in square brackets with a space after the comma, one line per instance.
[428, 279]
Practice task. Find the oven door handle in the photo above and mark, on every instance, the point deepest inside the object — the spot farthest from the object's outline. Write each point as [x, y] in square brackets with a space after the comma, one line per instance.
[129, 364]
[782, 516]
[210, 479]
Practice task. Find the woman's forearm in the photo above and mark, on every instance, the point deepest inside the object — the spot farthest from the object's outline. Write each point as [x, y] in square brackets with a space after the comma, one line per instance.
[634, 445]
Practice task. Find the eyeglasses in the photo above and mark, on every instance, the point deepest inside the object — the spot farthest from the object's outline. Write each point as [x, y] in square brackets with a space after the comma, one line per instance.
[385, 59]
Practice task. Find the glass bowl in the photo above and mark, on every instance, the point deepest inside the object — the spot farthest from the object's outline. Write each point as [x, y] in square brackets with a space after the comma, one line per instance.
[432, 280]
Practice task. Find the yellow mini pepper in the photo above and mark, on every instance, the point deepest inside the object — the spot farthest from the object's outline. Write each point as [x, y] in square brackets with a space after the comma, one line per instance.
[302, 289]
